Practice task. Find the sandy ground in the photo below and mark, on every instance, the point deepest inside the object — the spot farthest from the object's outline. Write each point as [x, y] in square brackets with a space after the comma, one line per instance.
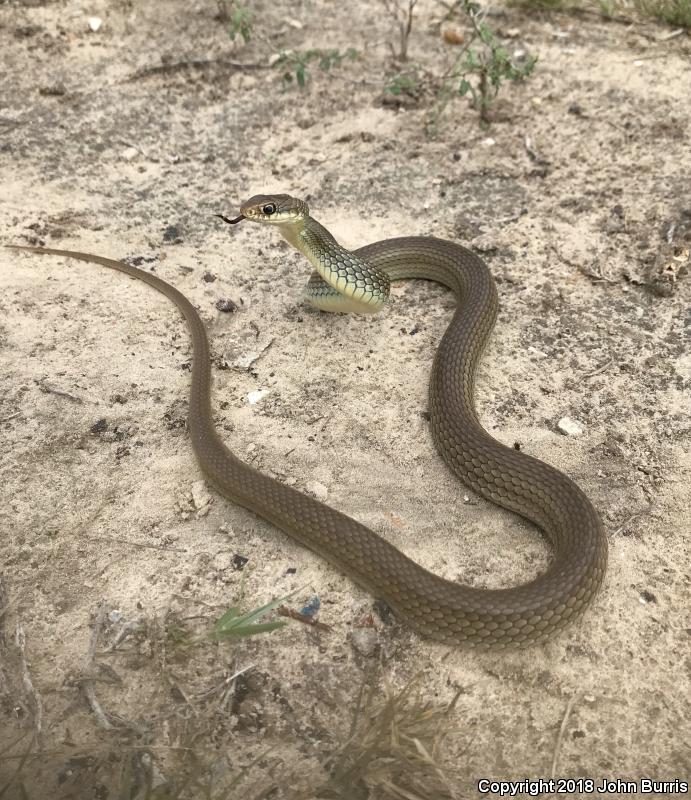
[100, 493]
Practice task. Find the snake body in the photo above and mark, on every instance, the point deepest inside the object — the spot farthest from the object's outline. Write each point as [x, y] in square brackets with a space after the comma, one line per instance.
[443, 610]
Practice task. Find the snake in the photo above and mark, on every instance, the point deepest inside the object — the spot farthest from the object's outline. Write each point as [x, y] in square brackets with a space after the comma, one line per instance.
[359, 281]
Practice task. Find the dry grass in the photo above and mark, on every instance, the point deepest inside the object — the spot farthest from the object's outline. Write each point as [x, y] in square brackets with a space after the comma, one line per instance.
[392, 752]
[673, 12]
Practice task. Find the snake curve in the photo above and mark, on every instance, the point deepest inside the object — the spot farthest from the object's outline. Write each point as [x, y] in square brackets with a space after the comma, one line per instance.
[443, 610]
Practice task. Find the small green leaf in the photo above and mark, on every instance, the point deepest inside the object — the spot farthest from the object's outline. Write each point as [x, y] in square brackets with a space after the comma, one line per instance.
[240, 22]
[464, 87]
[248, 630]
[486, 34]
[227, 618]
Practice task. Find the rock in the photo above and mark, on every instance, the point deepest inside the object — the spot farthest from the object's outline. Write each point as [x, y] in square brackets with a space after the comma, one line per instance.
[569, 427]
[200, 495]
[254, 397]
[226, 305]
[317, 489]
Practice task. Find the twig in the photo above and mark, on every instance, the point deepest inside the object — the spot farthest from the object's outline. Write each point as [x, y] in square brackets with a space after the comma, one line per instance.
[406, 29]
[22, 759]
[11, 416]
[560, 736]
[665, 37]
[229, 683]
[511, 218]
[87, 683]
[284, 611]
[125, 631]
[533, 153]
[404, 21]
[598, 370]
[20, 640]
[136, 544]
[3, 607]
[653, 56]
[596, 275]
[630, 519]
[107, 721]
[46, 389]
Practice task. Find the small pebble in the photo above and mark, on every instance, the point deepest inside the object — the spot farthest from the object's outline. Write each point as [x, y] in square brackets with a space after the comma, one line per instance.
[312, 608]
[317, 489]
[569, 427]
[255, 396]
[99, 426]
[130, 153]
[200, 496]
[95, 23]
[53, 89]
[171, 235]
[226, 305]
[238, 561]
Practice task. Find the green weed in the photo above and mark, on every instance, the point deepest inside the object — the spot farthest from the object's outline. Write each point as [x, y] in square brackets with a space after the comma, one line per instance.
[481, 68]
[296, 64]
[403, 83]
[238, 18]
[232, 625]
[674, 12]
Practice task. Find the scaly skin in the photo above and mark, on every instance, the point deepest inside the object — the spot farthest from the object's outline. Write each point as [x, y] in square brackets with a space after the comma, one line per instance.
[443, 610]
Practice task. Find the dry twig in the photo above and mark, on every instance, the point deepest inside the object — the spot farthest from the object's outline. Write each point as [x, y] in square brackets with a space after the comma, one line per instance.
[560, 735]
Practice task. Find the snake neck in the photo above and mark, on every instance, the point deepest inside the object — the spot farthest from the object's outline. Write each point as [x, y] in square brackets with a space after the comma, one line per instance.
[342, 281]
[291, 232]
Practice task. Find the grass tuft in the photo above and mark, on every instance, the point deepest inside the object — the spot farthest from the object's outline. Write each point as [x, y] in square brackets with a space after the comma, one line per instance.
[393, 749]
[674, 12]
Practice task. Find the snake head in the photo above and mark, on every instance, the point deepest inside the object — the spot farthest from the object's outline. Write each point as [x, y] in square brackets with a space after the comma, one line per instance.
[277, 209]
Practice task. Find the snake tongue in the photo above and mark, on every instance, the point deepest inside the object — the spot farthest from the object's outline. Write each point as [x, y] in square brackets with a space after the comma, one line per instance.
[231, 221]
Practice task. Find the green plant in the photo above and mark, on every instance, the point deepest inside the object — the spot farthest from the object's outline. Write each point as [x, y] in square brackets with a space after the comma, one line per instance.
[402, 13]
[296, 63]
[234, 625]
[481, 68]
[403, 83]
[393, 749]
[674, 12]
[238, 17]
[488, 62]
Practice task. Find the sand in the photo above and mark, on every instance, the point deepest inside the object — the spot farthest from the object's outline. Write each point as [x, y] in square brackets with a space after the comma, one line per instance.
[102, 505]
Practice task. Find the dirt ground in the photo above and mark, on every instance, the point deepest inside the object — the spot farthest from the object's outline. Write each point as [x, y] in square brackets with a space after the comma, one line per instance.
[121, 142]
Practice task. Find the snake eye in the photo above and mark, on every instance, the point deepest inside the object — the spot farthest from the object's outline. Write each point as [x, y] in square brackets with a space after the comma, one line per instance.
[269, 209]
